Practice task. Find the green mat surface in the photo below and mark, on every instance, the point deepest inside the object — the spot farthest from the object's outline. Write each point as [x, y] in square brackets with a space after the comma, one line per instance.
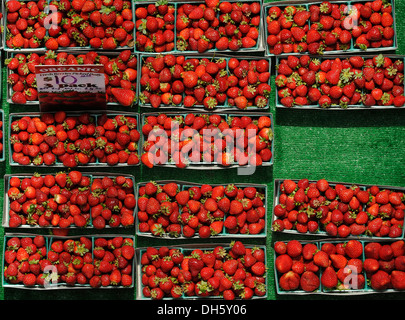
[354, 146]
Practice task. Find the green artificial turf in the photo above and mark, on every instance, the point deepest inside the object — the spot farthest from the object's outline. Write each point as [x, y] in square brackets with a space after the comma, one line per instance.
[353, 146]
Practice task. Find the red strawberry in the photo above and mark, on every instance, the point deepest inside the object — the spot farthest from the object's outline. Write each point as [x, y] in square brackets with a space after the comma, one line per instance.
[313, 36]
[289, 186]
[329, 278]
[321, 259]
[238, 248]
[399, 101]
[301, 17]
[283, 263]
[241, 102]
[230, 266]
[294, 248]
[248, 42]
[155, 100]
[197, 13]
[190, 79]
[309, 281]
[289, 281]
[380, 280]
[222, 43]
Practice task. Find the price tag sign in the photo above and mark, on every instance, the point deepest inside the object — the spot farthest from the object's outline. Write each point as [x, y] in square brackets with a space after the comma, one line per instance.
[72, 87]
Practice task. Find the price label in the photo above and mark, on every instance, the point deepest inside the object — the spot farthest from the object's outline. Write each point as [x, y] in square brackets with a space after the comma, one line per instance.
[72, 87]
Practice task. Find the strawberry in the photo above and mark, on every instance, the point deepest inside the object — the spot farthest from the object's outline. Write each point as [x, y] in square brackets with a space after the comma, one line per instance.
[284, 69]
[108, 16]
[398, 279]
[353, 249]
[346, 195]
[289, 186]
[238, 248]
[283, 263]
[399, 101]
[298, 34]
[329, 278]
[189, 79]
[123, 96]
[230, 266]
[248, 42]
[313, 36]
[241, 102]
[197, 13]
[309, 281]
[380, 280]
[294, 248]
[222, 44]
[321, 259]
[19, 98]
[301, 17]
[289, 281]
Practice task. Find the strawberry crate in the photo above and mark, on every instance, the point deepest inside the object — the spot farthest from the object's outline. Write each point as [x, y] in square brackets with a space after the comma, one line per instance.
[53, 57]
[155, 132]
[78, 42]
[7, 33]
[11, 245]
[199, 288]
[88, 118]
[335, 214]
[216, 221]
[56, 275]
[348, 15]
[354, 90]
[89, 209]
[208, 84]
[177, 43]
[338, 267]
[143, 41]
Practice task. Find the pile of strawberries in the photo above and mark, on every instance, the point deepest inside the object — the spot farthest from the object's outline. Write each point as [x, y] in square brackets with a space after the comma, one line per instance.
[328, 266]
[69, 262]
[312, 267]
[351, 81]
[220, 25]
[25, 24]
[206, 26]
[49, 200]
[338, 210]
[154, 25]
[171, 209]
[25, 259]
[237, 272]
[384, 82]
[105, 24]
[72, 140]
[318, 28]
[112, 201]
[70, 199]
[175, 80]
[120, 73]
[252, 140]
[384, 265]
